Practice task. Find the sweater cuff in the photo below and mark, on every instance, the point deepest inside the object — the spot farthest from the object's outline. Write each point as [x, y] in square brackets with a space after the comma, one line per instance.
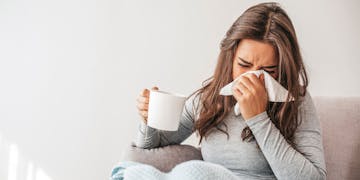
[257, 119]
[145, 129]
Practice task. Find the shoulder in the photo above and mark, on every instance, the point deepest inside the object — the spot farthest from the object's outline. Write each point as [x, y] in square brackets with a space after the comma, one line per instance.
[306, 103]
[192, 104]
[307, 113]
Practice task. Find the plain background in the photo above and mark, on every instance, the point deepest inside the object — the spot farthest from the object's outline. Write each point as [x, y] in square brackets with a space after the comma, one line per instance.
[70, 71]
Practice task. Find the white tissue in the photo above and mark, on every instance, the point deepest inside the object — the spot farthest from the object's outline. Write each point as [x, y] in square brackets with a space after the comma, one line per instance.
[275, 92]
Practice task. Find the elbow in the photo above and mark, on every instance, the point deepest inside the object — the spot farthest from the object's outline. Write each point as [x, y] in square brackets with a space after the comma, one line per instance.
[315, 173]
[322, 174]
[141, 145]
[144, 143]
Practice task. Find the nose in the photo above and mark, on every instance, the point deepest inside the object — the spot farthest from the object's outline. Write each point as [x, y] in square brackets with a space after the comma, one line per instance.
[254, 68]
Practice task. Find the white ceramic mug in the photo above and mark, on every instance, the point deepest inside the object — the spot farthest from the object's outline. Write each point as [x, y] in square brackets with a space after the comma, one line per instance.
[165, 110]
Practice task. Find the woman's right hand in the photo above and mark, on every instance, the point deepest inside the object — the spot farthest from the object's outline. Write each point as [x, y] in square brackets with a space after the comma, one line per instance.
[143, 103]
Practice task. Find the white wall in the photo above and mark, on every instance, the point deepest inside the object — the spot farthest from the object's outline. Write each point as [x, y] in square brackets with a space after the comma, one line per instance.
[70, 71]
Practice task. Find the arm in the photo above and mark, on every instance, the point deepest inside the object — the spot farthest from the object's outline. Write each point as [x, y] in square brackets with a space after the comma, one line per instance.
[148, 137]
[285, 161]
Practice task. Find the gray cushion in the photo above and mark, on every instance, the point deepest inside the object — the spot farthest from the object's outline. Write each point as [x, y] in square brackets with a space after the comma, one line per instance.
[163, 158]
[340, 122]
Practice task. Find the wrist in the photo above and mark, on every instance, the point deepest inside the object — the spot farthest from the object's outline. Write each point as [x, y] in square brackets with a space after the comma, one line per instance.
[252, 116]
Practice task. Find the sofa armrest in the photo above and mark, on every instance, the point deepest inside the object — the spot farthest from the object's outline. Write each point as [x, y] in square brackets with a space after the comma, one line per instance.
[163, 158]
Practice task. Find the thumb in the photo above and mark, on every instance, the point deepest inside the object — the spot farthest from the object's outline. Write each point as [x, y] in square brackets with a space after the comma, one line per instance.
[155, 88]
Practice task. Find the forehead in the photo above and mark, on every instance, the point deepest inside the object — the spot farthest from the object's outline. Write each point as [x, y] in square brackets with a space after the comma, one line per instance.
[256, 52]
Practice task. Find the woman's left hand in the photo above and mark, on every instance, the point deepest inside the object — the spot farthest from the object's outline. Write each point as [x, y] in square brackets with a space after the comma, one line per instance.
[250, 93]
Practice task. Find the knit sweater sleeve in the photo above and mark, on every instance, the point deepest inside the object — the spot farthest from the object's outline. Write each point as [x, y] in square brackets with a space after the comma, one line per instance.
[307, 162]
[148, 137]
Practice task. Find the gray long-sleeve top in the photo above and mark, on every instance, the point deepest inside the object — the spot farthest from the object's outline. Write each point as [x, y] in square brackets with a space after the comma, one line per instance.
[275, 159]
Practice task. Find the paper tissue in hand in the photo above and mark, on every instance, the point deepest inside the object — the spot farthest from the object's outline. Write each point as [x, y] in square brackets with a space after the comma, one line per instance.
[275, 92]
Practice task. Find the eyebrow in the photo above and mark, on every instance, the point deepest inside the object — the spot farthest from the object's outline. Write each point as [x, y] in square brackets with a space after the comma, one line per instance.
[247, 62]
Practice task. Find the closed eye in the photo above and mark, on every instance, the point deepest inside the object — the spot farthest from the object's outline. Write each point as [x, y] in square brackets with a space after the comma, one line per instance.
[243, 65]
[270, 72]
[246, 66]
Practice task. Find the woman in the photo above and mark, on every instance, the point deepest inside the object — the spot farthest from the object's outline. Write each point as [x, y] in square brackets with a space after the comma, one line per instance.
[267, 140]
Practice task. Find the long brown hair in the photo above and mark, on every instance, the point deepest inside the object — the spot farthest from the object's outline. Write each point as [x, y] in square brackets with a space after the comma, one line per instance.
[269, 23]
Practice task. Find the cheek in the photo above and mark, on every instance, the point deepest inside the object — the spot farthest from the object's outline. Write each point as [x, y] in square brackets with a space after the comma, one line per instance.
[237, 71]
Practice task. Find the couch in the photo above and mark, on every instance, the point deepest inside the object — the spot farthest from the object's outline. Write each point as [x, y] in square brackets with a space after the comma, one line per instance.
[340, 124]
